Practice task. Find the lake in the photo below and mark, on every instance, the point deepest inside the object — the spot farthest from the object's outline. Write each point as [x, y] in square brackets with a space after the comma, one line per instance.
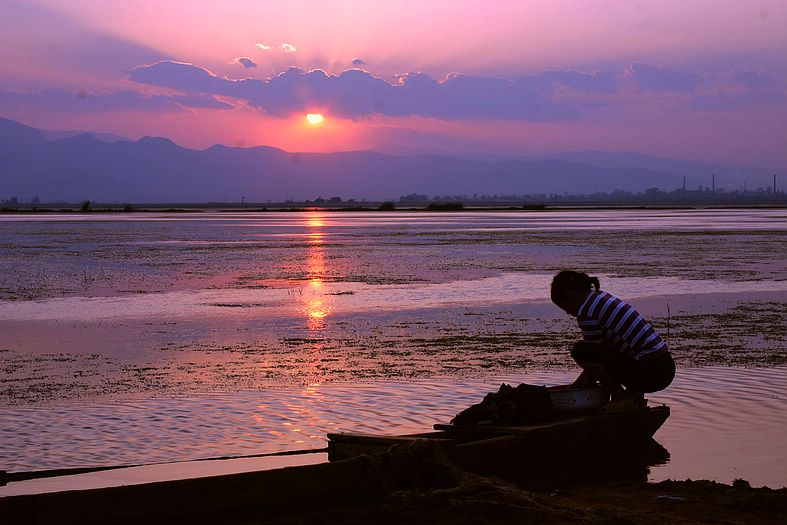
[133, 338]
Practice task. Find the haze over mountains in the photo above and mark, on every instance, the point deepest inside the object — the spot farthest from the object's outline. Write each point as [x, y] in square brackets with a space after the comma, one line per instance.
[73, 166]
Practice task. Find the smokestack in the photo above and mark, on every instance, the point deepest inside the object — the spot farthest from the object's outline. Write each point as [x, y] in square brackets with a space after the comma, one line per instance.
[774, 184]
[684, 184]
[713, 183]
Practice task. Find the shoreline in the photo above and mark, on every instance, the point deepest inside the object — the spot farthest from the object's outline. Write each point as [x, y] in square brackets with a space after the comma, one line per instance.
[491, 500]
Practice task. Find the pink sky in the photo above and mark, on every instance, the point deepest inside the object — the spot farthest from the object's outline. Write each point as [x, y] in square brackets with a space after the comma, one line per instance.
[698, 80]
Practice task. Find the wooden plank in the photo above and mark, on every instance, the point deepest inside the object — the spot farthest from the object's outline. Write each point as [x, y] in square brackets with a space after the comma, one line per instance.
[347, 445]
[511, 430]
[383, 440]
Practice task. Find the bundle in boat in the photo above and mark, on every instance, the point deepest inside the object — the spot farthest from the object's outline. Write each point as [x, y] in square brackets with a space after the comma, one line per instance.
[520, 405]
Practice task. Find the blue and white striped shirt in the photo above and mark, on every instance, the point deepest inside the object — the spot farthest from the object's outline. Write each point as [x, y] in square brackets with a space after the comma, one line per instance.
[605, 319]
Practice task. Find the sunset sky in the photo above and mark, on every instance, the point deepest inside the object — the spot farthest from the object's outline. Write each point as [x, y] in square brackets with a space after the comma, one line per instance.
[704, 79]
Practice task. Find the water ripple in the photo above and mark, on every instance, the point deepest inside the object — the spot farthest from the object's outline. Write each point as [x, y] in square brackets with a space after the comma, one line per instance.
[730, 413]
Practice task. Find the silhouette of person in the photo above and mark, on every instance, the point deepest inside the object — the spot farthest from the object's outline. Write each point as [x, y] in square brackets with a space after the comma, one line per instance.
[620, 349]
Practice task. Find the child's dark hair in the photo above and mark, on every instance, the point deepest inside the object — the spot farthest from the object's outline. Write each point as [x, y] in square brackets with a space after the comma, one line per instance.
[571, 280]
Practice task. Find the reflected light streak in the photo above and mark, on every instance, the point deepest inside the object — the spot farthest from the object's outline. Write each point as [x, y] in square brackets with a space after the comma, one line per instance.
[315, 237]
[317, 307]
[315, 220]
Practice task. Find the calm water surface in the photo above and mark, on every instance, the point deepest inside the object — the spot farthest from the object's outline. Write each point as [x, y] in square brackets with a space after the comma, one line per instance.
[726, 423]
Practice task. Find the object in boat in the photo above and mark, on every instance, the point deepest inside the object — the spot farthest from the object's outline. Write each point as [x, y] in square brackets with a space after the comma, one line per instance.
[572, 429]
[566, 399]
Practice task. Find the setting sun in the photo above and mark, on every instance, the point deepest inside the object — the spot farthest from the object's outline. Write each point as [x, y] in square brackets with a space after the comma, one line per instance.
[314, 118]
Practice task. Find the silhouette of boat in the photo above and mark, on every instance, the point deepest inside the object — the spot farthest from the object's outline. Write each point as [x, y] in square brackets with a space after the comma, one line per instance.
[492, 449]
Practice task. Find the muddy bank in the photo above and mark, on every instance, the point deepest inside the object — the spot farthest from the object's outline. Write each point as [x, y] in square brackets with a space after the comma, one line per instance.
[418, 484]
[490, 500]
[604, 489]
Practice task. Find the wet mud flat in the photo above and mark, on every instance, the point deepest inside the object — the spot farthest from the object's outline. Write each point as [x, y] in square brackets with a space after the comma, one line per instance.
[66, 362]
[116, 308]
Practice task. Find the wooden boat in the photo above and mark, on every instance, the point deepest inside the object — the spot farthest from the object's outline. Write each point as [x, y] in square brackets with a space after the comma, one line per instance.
[491, 449]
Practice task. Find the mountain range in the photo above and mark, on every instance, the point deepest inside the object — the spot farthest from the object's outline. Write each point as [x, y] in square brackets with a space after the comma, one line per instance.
[73, 166]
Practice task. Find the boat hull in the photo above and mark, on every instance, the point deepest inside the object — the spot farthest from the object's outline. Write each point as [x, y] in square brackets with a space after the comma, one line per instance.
[489, 449]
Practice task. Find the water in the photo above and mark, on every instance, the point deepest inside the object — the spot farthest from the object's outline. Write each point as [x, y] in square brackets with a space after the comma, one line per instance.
[730, 413]
[156, 337]
[52, 256]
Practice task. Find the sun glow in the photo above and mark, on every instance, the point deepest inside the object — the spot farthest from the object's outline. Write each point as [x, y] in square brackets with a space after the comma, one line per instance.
[314, 118]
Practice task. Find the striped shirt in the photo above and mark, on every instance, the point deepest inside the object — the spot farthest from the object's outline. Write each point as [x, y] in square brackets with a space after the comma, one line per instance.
[605, 319]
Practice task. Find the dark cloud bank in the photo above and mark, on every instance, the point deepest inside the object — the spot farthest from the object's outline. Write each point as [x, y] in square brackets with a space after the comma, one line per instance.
[356, 93]
[84, 101]
[650, 78]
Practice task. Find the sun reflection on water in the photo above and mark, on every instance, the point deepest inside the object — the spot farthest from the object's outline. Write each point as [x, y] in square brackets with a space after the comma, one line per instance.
[317, 307]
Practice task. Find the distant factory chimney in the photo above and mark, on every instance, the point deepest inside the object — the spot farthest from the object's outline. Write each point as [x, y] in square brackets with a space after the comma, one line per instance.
[684, 184]
[713, 183]
[774, 184]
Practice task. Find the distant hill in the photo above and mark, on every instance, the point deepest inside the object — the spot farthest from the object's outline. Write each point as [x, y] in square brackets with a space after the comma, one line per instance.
[696, 172]
[158, 170]
[64, 134]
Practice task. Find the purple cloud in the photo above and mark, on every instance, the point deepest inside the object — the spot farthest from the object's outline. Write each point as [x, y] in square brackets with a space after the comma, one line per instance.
[88, 102]
[357, 62]
[600, 82]
[197, 101]
[245, 62]
[737, 100]
[650, 78]
[753, 80]
[355, 93]
[178, 75]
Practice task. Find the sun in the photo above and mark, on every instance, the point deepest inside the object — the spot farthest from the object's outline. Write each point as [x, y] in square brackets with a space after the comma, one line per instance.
[314, 118]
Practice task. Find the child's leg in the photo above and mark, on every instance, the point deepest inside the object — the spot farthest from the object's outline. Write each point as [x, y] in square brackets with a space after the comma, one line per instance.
[596, 361]
[600, 373]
